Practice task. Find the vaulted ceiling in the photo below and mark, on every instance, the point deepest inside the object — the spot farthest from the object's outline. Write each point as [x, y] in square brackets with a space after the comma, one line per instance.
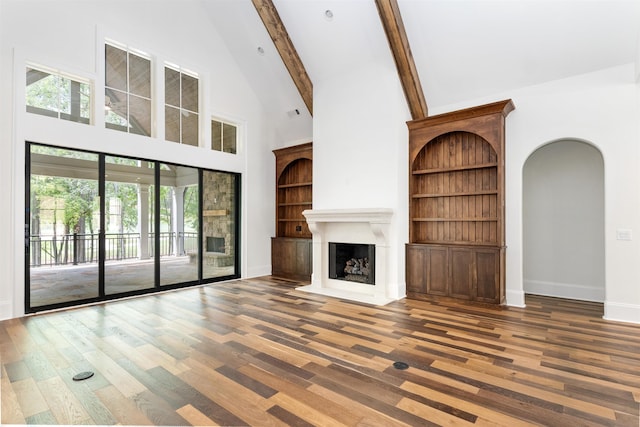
[463, 49]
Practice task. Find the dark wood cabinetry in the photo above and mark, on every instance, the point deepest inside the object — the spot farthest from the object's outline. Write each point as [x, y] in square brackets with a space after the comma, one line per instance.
[291, 256]
[456, 207]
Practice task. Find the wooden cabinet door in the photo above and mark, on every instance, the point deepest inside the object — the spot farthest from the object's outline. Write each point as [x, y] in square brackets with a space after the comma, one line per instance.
[487, 272]
[461, 273]
[291, 258]
[416, 271]
[437, 271]
[427, 272]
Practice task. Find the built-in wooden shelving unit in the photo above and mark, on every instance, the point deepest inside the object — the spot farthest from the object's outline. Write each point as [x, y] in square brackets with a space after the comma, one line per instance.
[456, 186]
[291, 247]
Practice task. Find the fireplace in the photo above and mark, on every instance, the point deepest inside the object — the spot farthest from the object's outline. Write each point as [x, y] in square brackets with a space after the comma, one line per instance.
[215, 244]
[353, 262]
[355, 228]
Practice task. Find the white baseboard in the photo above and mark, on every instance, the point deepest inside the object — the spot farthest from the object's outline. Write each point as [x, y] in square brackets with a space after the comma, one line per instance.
[621, 312]
[564, 290]
[263, 270]
[515, 298]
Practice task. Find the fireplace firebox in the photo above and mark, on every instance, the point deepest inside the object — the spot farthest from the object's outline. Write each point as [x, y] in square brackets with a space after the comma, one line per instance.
[215, 244]
[353, 262]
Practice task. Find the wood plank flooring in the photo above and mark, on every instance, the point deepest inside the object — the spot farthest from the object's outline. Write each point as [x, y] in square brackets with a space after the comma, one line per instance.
[257, 352]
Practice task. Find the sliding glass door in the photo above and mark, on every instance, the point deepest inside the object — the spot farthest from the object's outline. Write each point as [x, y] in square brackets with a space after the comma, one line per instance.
[101, 226]
[63, 245]
[128, 265]
[179, 224]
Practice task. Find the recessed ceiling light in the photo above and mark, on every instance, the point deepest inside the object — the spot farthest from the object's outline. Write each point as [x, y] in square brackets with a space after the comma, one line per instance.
[328, 14]
[260, 50]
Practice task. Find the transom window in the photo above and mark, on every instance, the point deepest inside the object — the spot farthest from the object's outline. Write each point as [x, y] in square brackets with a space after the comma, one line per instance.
[223, 136]
[181, 105]
[127, 90]
[54, 94]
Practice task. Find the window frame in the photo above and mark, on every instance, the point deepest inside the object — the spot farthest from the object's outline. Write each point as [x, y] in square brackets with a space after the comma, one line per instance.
[222, 123]
[59, 113]
[128, 128]
[182, 112]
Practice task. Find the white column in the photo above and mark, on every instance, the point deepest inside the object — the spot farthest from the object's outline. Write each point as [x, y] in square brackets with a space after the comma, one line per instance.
[143, 220]
[178, 223]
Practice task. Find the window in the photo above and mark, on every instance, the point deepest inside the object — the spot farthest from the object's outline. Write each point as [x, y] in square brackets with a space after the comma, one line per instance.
[127, 91]
[181, 106]
[54, 94]
[223, 136]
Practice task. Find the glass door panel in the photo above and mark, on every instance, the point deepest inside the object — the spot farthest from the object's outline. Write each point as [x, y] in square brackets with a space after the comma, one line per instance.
[218, 224]
[179, 224]
[63, 226]
[128, 264]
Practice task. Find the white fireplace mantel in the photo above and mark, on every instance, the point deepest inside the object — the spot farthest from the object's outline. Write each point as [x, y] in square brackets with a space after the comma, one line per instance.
[363, 225]
[372, 215]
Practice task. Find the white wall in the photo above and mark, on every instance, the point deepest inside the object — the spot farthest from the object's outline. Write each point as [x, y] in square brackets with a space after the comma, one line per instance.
[563, 221]
[360, 150]
[602, 108]
[69, 36]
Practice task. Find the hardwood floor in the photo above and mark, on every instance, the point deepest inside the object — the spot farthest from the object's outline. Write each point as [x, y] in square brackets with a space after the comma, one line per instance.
[257, 352]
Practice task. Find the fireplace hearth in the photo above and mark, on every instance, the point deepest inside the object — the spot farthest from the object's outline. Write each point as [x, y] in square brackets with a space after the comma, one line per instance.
[352, 262]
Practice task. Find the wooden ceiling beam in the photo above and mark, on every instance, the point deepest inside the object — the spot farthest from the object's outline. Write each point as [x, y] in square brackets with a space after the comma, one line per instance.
[399, 44]
[272, 22]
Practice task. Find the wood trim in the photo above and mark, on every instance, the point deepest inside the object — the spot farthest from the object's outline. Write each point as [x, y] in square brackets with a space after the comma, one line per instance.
[272, 22]
[399, 43]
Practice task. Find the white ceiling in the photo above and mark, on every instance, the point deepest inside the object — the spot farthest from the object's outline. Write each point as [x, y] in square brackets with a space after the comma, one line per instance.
[463, 49]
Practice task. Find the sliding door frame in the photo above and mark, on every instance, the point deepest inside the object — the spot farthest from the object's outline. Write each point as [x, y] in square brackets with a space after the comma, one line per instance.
[102, 295]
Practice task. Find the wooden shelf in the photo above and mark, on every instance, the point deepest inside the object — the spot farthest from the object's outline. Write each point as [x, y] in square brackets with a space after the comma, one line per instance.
[296, 184]
[295, 204]
[466, 193]
[455, 168]
[454, 219]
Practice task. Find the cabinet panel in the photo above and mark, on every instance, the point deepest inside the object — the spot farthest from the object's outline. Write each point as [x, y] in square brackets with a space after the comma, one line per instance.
[469, 273]
[488, 274]
[416, 273]
[461, 273]
[437, 271]
[291, 258]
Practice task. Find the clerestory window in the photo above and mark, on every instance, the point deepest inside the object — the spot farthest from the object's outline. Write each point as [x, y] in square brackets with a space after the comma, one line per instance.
[127, 90]
[54, 94]
[223, 136]
[181, 105]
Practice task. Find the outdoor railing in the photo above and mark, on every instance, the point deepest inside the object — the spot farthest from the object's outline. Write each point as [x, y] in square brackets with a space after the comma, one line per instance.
[73, 249]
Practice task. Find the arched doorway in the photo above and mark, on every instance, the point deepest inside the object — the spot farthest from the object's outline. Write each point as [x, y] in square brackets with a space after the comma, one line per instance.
[563, 221]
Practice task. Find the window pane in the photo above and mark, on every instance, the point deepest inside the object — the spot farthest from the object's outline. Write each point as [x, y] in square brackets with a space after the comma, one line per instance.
[172, 124]
[171, 87]
[189, 93]
[85, 101]
[139, 76]
[116, 68]
[189, 128]
[229, 135]
[216, 135]
[128, 264]
[179, 226]
[63, 238]
[42, 92]
[117, 113]
[140, 115]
